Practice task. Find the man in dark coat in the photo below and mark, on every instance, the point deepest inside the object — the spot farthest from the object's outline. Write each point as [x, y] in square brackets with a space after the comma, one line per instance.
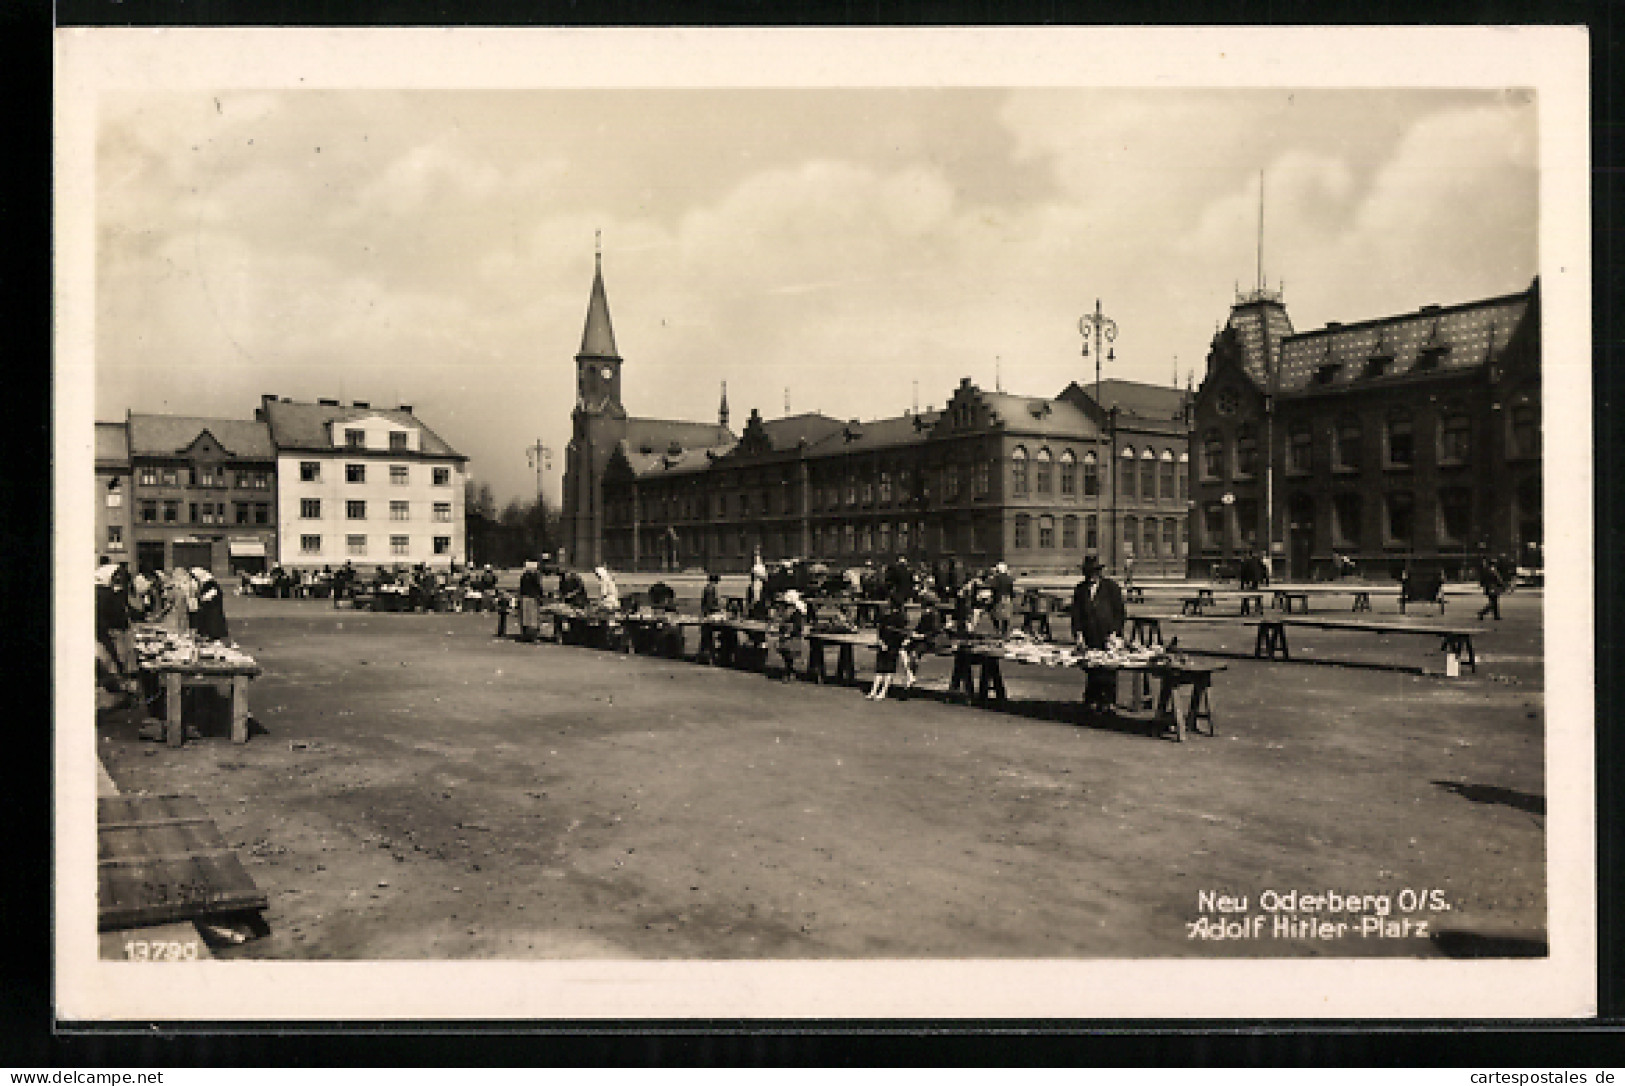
[1097, 617]
[211, 607]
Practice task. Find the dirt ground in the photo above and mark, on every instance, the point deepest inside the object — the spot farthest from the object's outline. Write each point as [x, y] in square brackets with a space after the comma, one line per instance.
[415, 788]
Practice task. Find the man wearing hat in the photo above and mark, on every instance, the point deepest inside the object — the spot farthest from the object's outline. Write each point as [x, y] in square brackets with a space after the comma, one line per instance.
[1097, 616]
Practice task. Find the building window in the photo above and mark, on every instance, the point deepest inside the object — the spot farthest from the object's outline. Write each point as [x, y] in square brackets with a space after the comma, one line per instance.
[355, 439]
[149, 512]
[885, 538]
[1148, 476]
[191, 513]
[397, 441]
[849, 543]
[1042, 473]
[1213, 525]
[149, 477]
[1131, 537]
[1091, 533]
[1350, 443]
[744, 504]
[262, 512]
[1400, 508]
[242, 512]
[115, 493]
[1212, 455]
[1069, 533]
[171, 478]
[1184, 473]
[1170, 538]
[1169, 487]
[1125, 476]
[310, 508]
[885, 487]
[1346, 512]
[1455, 437]
[442, 511]
[1018, 473]
[982, 479]
[1455, 515]
[115, 537]
[1069, 474]
[1300, 449]
[1046, 533]
[355, 544]
[1246, 450]
[1400, 444]
[355, 510]
[442, 476]
[355, 473]
[950, 482]
[310, 471]
[1148, 540]
[400, 510]
[902, 537]
[442, 544]
[172, 512]
[1525, 431]
[399, 475]
[1023, 531]
[867, 491]
[1091, 475]
[1247, 522]
[310, 544]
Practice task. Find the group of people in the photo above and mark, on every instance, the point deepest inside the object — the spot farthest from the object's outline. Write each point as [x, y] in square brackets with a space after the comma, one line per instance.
[187, 600]
[572, 591]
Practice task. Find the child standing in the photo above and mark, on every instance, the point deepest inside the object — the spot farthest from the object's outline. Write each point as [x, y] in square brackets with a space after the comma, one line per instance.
[893, 635]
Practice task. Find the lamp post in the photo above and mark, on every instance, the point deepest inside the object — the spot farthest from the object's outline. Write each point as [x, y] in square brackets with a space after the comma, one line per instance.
[1104, 328]
[541, 461]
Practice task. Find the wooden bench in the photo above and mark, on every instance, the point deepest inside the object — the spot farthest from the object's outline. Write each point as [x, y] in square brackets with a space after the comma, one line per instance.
[1285, 597]
[964, 681]
[1252, 603]
[1198, 706]
[1134, 594]
[1192, 605]
[1144, 630]
[846, 670]
[1453, 641]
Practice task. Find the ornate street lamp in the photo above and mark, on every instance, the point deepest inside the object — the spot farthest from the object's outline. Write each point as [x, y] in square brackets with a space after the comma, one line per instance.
[1103, 328]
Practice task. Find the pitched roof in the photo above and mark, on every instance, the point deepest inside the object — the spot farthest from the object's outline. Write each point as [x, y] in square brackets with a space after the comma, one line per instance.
[884, 433]
[1037, 414]
[112, 445]
[598, 338]
[170, 435]
[1457, 337]
[689, 461]
[307, 426]
[658, 435]
[790, 431]
[1138, 399]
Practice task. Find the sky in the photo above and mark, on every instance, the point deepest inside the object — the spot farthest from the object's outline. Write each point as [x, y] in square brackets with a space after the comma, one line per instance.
[841, 248]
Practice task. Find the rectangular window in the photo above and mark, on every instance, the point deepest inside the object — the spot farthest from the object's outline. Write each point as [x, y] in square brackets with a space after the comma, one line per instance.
[442, 544]
[442, 511]
[1346, 512]
[400, 511]
[950, 482]
[1247, 522]
[355, 510]
[310, 508]
[171, 478]
[1131, 537]
[885, 487]
[355, 544]
[191, 513]
[868, 492]
[1125, 480]
[1169, 538]
[355, 473]
[902, 537]
[1091, 533]
[310, 544]
[1168, 486]
[262, 513]
[310, 471]
[1046, 533]
[1213, 525]
[355, 439]
[149, 512]
[1184, 480]
[1400, 441]
[885, 538]
[1148, 538]
[1091, 476]
[850, 540]
[744, 504]
[1400, 508]
[1042, 474]
[1023, 531]
[172, 512]
[149, 477]
[1455, 439]
[1069, 478]
[115, 537]
[242, 512]
[1300, 450]
[397, 441]
[442, 476]
[1525, 431]
[1350, 442]
[982, 479]
[1018, 474]
[400, 546]
[1455, 515]
[399, 475]
[1069, 533]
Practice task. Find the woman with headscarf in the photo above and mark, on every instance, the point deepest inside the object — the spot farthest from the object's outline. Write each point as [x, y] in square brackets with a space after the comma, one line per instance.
[1003, 588]
[792, 633]
[756, 592]
[530, 601]
[609, 596]
[210, 620]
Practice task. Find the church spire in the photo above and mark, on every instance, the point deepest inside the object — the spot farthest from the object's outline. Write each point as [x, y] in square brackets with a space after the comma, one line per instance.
[598, 338]
[722, 411]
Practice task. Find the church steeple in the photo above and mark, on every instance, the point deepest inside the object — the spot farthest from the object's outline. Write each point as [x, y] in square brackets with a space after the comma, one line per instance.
[722, 411]
[598, 338]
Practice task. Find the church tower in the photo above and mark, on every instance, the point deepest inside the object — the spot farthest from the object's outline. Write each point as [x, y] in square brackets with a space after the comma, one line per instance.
[598, 423]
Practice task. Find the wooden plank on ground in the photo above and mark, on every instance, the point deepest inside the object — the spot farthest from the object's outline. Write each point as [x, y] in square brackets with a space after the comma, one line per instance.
[162, 859]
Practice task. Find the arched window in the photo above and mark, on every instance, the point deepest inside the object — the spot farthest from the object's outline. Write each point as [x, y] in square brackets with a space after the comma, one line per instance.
[1246, 450]
[1350, 443]
[1069, 474]
[1148, 476]
[1212, 455]
[1041, 476]
[1401, 440]
[1125, 474]
[1018, 472]
[1091, 475]
[1455, 436]
[1169, 470]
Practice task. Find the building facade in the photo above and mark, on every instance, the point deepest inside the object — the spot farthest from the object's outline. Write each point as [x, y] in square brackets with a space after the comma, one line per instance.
[112, 492]
[203, 493]
[1411, 440]
[372, 486]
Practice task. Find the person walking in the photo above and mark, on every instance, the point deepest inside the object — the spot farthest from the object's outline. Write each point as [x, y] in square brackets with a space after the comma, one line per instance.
[530, 601]
[893, 634]
[1003, 588]
[1097, 621]
[792, 633]
[1489, 579]
[609, 594]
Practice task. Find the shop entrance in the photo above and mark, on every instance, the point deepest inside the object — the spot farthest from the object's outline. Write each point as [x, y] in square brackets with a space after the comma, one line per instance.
[187, 555]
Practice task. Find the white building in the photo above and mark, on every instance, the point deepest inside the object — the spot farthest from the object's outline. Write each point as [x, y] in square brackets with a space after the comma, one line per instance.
[372, 486]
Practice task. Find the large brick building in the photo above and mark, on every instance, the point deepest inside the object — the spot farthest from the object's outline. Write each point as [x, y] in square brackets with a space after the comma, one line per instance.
[1410, 439]
[990, 477]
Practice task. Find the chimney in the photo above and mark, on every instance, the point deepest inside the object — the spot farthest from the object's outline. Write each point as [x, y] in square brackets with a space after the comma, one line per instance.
[361, 403]
[328, 403]
[406, 407]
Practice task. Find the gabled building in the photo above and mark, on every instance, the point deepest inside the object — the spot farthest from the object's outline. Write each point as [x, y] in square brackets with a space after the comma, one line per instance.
[203, 493]
[112, 491]
[372, 486]
[1406, 440]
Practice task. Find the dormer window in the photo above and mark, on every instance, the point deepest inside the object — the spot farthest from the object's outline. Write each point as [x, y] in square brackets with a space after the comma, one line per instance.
[1377, 365]
[1327, 372]
[355, 439]
[397, 441]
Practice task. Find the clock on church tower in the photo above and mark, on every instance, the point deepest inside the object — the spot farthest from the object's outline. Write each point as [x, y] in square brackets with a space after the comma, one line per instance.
[598, 383]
